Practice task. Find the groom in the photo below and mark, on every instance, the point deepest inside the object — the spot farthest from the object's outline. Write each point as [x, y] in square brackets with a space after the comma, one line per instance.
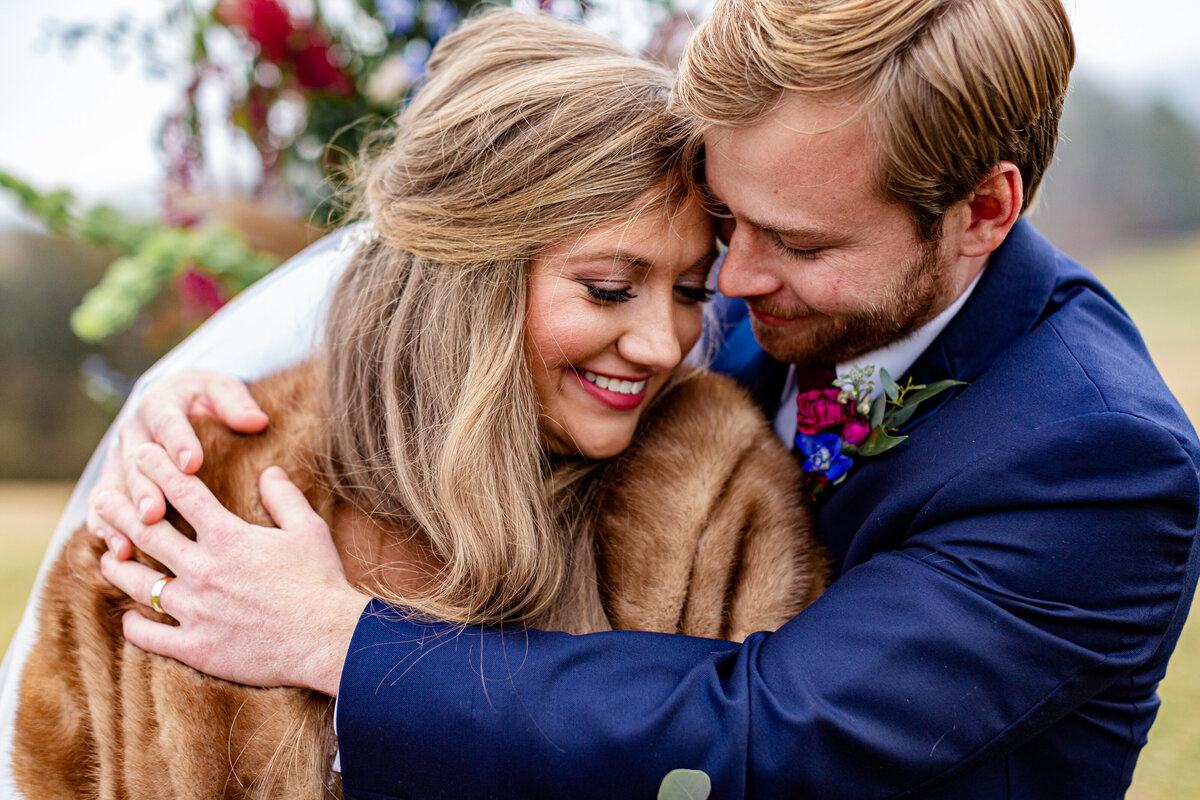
[1012, 578]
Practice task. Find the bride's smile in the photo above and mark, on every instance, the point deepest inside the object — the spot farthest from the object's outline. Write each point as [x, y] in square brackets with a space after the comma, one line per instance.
[608, 315]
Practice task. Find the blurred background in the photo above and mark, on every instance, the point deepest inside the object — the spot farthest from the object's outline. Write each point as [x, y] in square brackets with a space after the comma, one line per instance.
[156, 158]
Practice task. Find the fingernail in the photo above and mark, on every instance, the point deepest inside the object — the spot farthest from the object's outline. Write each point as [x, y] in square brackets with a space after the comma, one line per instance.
[184, 456]
[276, 473]
[144, 506]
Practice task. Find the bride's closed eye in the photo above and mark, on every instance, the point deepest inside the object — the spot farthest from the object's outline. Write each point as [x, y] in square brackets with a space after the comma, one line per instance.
[695, 294]
[605, 294]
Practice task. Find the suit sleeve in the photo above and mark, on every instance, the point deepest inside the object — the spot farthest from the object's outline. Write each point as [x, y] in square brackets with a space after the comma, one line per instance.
[1040, 575]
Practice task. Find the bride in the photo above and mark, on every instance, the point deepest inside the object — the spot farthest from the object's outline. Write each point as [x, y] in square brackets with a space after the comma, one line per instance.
[496, 429]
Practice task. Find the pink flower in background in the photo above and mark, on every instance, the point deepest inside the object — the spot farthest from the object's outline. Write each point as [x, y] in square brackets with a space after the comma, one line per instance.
[265, 22]
[306, 48]
[199, 292]
[315, 68]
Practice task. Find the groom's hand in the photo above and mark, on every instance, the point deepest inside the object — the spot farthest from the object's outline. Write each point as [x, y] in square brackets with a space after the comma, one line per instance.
[256, 605]
[162, 417]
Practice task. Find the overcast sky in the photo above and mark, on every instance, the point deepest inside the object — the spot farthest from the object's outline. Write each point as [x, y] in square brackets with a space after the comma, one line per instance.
[77, 121]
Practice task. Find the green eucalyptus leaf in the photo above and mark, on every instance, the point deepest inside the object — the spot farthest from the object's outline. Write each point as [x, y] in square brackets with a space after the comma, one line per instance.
[890, 389]
[929, 391]
[877, 409]
[879, 442]
[685, 784]
[900, 416]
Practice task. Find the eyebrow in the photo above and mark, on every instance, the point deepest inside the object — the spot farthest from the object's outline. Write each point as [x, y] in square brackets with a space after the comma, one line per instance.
[803, 232]
[806, 232]
[638, 262]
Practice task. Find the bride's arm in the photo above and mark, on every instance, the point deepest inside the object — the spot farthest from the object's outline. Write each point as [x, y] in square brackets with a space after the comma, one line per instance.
[162, 417]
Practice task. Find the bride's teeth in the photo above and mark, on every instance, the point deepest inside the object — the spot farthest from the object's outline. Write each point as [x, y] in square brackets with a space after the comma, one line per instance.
[615, 384]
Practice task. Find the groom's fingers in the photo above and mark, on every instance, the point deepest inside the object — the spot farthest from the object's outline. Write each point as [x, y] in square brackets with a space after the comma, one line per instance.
[168, 405]
[160, 541]
[163, 412]
[111, 480]
[227, 399]
[287, 505]
[153, 637]
[147, 497]
[187, 493]
[134, 579]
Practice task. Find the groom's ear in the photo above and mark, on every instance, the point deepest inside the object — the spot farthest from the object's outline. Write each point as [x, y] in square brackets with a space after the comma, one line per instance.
[991, 210]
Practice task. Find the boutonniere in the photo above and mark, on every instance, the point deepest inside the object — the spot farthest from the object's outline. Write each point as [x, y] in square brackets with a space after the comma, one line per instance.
[834, 427]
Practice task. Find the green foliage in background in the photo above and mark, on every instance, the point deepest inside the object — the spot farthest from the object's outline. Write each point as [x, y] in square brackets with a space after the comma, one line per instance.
[149, 257]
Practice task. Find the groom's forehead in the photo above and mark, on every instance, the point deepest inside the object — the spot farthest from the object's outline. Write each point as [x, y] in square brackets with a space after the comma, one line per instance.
[803, 147]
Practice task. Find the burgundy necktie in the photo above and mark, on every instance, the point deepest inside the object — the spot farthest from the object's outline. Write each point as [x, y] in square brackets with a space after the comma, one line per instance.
[811, 377]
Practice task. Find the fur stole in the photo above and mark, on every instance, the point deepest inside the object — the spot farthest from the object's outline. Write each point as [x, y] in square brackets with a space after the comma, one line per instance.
[700, 530]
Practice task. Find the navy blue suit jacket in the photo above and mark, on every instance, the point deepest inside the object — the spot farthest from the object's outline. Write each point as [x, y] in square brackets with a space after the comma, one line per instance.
[1012, 580]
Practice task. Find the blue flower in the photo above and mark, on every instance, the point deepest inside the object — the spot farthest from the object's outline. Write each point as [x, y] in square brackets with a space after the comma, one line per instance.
[440, 18]
[824, 451]
[400, 14]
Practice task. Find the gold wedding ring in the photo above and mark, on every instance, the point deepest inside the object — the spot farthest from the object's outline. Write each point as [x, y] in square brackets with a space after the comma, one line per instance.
[156, 592]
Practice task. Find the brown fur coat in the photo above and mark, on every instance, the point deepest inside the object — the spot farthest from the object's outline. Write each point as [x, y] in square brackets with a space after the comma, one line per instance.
[700, 531]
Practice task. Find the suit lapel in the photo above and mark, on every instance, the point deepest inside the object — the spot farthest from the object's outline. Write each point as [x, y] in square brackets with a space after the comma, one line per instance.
[1011, 298]
[1009, 301]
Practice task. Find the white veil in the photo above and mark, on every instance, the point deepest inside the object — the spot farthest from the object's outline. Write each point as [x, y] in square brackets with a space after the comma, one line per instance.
[271, 325]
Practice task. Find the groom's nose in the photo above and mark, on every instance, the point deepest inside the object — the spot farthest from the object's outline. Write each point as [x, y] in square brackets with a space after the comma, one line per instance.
[748, 269]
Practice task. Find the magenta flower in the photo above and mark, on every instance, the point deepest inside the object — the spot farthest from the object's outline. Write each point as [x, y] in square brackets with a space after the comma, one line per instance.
[856, 430]
[200, 294]
[818, 410]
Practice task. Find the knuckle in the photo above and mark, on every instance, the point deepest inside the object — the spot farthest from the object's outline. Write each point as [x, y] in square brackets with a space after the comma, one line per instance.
[130, 433]
[105, 501]
[315, 527]
[203, 573]
[222, 533]
[180, 488]
[147, 538]
[160, 423]
[224, 382]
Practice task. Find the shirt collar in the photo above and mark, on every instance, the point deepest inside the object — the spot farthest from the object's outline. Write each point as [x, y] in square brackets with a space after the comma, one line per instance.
[896, 358]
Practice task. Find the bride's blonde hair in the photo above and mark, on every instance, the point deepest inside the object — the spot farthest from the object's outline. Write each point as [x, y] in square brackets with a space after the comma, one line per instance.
[528, 130]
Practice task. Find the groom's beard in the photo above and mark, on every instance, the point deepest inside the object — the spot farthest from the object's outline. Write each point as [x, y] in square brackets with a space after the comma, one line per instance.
[917, 295]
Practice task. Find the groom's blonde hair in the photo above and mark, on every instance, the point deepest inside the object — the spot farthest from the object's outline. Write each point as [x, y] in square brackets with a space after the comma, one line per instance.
[950, 87]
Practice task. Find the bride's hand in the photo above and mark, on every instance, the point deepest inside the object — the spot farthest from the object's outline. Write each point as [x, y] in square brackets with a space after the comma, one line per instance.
[260, 606]
[161, 416]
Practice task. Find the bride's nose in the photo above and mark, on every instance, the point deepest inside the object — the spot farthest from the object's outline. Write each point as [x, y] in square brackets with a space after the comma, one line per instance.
[652, 340]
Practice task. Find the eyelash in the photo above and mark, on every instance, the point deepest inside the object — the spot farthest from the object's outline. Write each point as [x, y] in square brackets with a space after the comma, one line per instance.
[696, 294]
[693, 294]
[792, 252]
[609, 295]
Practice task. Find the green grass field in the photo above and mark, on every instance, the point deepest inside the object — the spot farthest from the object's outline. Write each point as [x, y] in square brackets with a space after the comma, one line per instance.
[28, 514]
[1161, 290]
